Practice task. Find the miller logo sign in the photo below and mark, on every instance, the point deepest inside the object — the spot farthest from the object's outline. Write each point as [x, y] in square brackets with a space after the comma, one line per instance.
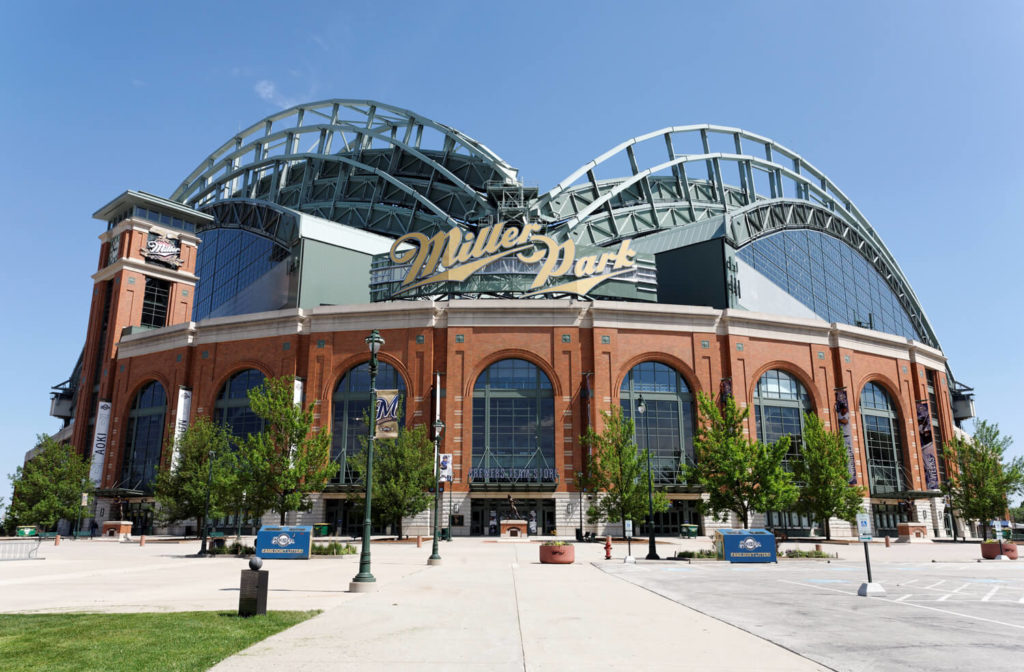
[454, 255]
[164, 251]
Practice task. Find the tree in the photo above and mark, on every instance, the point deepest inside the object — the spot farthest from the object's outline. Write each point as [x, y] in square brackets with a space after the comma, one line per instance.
[978, 481]
[285, 462]
[403, 471]
[822, 469]
[181, 489]
[739, 475]
[617, 468]
[50, 485]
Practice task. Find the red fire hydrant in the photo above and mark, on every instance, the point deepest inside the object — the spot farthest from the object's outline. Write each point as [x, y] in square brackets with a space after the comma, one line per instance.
[608, 547]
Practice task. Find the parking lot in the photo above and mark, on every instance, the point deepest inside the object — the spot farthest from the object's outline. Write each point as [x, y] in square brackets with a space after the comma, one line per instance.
[942, 615]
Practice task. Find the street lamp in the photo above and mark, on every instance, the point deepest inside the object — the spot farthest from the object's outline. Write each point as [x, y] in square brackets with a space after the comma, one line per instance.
[435, 557]
[206, 511]
[652, 553]
[364, 581]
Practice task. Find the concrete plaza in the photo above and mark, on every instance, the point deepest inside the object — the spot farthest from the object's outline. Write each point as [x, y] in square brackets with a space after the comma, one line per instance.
[492, 606]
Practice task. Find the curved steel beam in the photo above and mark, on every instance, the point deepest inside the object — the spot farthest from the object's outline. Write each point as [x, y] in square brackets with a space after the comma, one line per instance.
[372, 126]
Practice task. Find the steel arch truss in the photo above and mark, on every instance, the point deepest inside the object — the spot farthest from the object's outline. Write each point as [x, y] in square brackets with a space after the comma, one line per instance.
[678, 188]
[345, 159]
[280, 225]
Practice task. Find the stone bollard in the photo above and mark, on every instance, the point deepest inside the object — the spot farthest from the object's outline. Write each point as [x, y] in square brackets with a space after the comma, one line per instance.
[887, 541]
[142, 540]
[252, 593]
[817, 548]
[419, 541]
[56, 540]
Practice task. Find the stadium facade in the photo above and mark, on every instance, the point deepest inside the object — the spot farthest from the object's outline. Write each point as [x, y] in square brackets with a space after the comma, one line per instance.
[692, 258]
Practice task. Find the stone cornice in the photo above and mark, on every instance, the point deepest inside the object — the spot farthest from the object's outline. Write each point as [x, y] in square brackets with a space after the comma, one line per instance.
[155, 270]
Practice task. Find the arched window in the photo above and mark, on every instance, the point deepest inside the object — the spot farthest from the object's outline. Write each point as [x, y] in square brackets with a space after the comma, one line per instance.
[513, 425]
[232, 406]
[666, 427]
[145, 438]
[351, 402]
[780, 402]
[881, 440]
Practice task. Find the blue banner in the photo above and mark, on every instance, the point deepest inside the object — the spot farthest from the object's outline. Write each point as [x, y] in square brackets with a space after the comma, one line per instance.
[284, 543]
[928, 451]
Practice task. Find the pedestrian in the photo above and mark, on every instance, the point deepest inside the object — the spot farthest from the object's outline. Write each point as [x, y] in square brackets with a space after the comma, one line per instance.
[93, 527]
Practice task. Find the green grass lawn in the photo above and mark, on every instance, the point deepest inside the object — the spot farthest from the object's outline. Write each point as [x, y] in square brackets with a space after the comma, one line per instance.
[192, 640]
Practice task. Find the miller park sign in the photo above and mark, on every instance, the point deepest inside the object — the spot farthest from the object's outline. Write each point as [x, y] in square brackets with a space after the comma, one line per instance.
[500, 258]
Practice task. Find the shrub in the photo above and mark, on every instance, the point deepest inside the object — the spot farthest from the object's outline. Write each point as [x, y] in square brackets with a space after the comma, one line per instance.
[796, 553]
[557, 543]
[334, 548]
[234, 548]
[702, 553]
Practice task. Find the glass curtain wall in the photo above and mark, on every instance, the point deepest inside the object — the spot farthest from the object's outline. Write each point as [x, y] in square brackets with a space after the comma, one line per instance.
[666, 428]
[351, 399]
[513, 425]
[882, 440]
[144, 438]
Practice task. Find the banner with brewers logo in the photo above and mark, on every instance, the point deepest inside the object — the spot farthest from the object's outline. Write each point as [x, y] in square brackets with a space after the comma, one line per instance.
[99, 442]
[843, 418]
[387, 414]
[928, 452]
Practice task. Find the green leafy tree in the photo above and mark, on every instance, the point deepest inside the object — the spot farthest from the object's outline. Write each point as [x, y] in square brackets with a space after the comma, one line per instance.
[618, 468]
[739, 475]
[49, 486]
[286, 461]
[403, 471]
[979, 480]
[822, 471]
[181, 489]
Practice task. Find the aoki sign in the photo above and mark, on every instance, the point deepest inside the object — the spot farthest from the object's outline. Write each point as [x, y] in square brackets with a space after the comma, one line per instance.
[455, 255]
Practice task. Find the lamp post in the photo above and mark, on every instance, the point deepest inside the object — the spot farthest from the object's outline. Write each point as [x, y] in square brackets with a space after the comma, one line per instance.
[652, 553]
[206, 510]
[364, 581]
[435, 557]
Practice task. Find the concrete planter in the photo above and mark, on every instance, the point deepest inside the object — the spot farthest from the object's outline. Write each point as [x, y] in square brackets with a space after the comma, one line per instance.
[557, 555]
[990, 549]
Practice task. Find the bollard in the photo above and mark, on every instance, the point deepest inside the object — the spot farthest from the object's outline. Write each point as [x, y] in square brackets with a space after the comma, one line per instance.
[142, 540]
[817, 548]
[419, 541]
[56, 540]
[887, 541]
[252, 593]
[608, 547]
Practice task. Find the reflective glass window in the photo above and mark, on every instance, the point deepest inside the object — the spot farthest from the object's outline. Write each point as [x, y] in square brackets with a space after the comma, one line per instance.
[513, 425]
[351, 399]
[665, 428]
[154, 302]
[881, 440]
[229, 260]
[830, 278]
[232, 406]
[144, 439]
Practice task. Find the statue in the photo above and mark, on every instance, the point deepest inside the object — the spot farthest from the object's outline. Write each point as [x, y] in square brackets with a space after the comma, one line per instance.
[512, 506]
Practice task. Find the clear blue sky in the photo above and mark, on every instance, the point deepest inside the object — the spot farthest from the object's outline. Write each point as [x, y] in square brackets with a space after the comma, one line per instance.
[912, 108]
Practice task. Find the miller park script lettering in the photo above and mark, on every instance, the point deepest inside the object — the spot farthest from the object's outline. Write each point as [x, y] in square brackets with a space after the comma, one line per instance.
[462, 254]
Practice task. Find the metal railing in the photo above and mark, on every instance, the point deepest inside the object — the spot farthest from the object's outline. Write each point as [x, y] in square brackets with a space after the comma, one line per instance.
[19, 549]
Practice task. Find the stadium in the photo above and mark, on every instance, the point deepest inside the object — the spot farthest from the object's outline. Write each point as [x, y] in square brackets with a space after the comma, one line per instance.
[691, 258]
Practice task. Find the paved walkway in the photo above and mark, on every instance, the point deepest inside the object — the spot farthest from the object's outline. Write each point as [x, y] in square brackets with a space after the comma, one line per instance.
[492, 606]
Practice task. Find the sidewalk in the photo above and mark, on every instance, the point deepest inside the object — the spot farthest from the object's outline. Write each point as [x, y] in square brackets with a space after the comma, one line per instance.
[492, 606]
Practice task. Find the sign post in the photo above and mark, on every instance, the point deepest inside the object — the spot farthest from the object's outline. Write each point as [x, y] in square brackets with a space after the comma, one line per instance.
[627, 530]
[864, 529]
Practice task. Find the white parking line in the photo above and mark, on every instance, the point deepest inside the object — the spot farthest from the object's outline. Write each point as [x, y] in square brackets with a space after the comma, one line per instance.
[957, 590]
[903, 597]
[935, 584]
[911, 581]
[910, 604]
[989, 594]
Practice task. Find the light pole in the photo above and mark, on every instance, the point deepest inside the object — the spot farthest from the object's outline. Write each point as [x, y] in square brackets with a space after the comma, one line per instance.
[652, 553]
[364, 581]
[435, 557]
[206, 511]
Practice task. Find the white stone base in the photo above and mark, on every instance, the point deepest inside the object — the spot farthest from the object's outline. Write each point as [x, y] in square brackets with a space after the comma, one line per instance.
[870, 590]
